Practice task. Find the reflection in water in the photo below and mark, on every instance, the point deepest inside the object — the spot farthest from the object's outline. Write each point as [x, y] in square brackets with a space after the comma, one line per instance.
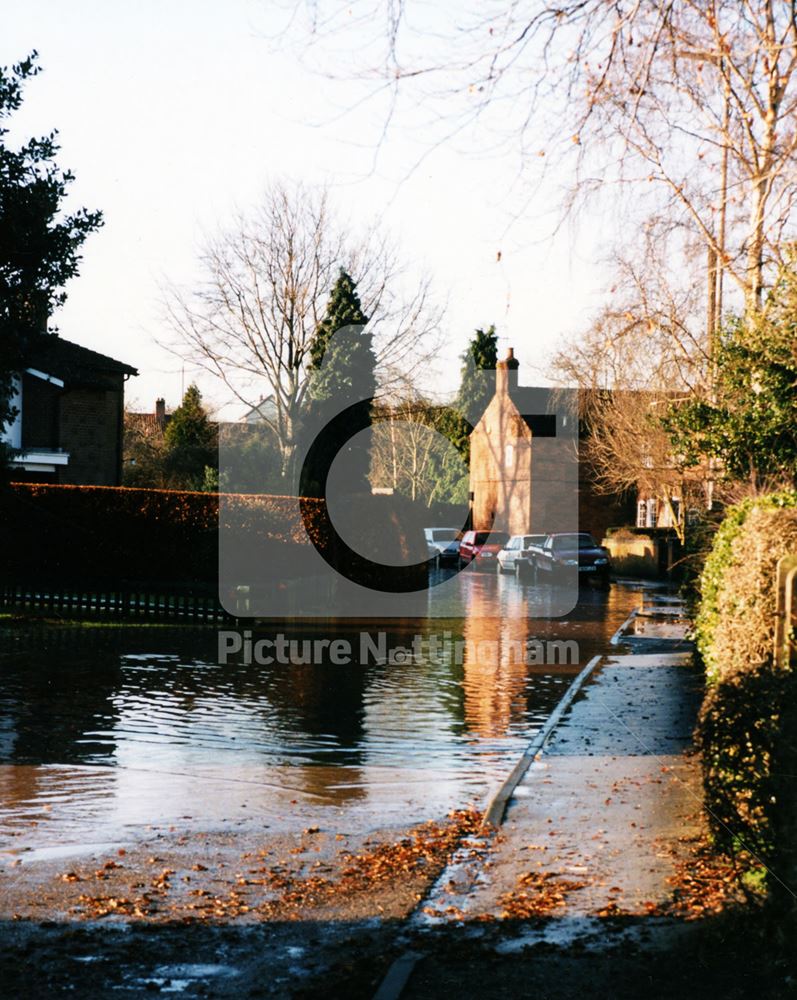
[495, 671]
[105, 731]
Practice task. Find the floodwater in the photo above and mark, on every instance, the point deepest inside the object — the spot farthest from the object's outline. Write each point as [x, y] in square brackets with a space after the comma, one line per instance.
[109, 733]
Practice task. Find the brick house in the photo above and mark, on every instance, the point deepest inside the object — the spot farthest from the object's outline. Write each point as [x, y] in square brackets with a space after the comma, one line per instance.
[525, 473]
[148, 425]
[71, 415]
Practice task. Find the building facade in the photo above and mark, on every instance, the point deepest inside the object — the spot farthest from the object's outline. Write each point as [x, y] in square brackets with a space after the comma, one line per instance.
[70, 420]
[527, 471]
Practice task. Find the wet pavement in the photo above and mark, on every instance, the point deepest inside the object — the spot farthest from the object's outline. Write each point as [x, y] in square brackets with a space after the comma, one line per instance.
[607, 803]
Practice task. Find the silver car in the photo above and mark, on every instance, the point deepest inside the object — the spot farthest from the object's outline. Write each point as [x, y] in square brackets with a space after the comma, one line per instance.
[514, 557]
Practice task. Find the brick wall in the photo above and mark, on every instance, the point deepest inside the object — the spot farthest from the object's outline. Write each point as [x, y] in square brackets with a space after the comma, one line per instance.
[597, 512]
[500, 468]
[531, 485]
[91, 428]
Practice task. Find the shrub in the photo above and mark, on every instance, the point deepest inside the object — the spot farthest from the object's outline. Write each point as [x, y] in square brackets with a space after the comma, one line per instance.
[734, 627]
[109, 535]
[746, 730]
[738, 733]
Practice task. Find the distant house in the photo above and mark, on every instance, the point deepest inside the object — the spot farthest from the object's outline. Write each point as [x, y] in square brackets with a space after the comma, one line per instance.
[264, 412]
[519, 486]
[70, 419]
[151, 424]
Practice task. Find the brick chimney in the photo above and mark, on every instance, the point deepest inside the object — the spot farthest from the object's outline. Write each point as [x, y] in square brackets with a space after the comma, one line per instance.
[160, 412]
[506, 373]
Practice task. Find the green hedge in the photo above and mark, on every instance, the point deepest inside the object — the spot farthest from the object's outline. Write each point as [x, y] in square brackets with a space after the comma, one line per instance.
[746, 730]
[718, 589]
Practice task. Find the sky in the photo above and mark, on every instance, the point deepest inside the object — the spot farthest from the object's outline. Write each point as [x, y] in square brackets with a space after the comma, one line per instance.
[173, 115]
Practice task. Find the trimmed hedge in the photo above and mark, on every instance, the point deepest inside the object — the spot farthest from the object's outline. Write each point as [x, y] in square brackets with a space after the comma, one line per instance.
[106, 535]
[117, 534]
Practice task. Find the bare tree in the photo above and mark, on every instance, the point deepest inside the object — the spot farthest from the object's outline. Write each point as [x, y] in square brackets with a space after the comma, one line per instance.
[693, 103]
[266, 280]
[408, 453]
[638, 358]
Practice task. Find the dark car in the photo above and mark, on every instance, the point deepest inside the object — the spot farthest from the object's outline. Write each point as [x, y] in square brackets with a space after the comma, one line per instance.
[442, 544]
[481, 548]
[573, 549]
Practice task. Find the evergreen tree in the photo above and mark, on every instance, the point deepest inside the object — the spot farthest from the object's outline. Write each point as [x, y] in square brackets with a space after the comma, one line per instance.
[749, 422]
[455, 422]
[190, 444]
[344, 309]
[39, 246]
[476, 389]
[341, 388]
[477, 384]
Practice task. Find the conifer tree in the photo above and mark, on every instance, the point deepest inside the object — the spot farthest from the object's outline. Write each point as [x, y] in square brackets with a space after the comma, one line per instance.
[190, 441]
[478, 374]
[341, 389]
[456, 422]
[476, 388]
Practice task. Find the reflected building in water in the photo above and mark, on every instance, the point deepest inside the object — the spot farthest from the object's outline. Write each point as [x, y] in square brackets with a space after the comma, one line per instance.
[494, 669]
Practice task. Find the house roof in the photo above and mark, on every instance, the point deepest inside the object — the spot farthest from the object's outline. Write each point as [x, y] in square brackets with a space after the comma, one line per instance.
[147, 423]
[267, 403]
[74, 364]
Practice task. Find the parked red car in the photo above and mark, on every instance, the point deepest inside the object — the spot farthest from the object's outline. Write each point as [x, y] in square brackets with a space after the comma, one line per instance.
[481, 548]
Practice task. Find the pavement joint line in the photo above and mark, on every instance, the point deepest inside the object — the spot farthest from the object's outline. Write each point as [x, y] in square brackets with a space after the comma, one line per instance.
[496, 807]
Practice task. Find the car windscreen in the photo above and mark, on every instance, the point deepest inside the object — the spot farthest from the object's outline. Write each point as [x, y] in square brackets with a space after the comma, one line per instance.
[532, 540]
[444, 534]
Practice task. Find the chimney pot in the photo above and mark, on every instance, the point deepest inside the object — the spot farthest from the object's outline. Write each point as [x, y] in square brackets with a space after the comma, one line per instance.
[160, 410]
[506, 373]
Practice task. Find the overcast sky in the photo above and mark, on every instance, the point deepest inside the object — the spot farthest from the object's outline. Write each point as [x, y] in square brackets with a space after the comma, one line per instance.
[173, 113]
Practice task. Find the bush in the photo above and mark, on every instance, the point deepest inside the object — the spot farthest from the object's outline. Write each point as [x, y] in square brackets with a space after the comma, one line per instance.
[734, 627]
[746, 730]
[738, 732]
[106, 535]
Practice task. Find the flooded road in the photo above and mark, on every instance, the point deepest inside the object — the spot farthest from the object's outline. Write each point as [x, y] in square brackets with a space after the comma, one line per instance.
[109, 733]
